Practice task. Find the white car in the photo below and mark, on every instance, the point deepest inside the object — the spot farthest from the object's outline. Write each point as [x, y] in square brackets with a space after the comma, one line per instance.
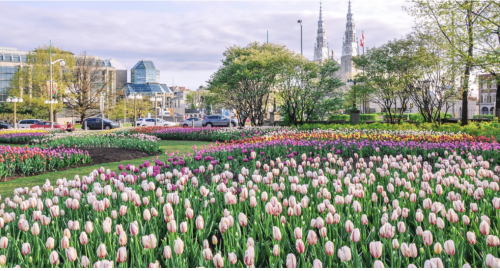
[189, 122]
[151, 122]
[27, 123]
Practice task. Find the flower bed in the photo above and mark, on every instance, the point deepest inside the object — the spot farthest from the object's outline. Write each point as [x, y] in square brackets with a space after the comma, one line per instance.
[271, 202]
[27, 161]
[140, 142]
[206, 133]
[22, 136]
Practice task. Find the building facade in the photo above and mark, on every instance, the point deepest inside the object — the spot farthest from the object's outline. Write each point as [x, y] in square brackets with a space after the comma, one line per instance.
[321, 50]
[349, 48]
[487, 94]
[10, 60]
[145, 79]
[179, 99]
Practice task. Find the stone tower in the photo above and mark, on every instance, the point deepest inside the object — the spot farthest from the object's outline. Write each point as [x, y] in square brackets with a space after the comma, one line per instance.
[349, 48]
[321, 45]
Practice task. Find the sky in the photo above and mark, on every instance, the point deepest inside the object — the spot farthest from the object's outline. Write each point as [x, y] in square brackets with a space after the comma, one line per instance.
[186, 39]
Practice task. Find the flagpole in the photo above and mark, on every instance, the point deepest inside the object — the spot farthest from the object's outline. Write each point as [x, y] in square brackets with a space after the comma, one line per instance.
[363, 37]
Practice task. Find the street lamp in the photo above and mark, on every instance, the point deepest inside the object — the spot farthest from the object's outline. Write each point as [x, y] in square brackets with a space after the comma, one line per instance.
[300, 22]
[51, 93]
[135, 96]
[154, 100]
[15, 100]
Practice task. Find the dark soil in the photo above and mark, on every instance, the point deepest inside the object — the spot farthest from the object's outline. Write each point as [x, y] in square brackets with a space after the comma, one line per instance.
[99, 156]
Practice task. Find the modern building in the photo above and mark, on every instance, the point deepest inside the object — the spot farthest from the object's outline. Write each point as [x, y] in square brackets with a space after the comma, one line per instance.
[145, 79]
[487, 94]
[10, 60]
[321, 49]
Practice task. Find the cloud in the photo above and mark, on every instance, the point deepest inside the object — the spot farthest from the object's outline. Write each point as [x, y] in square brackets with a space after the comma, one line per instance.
[186, 39]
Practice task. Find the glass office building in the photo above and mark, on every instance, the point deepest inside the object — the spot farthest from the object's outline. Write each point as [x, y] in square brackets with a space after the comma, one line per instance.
[10, 60]
[146, 80]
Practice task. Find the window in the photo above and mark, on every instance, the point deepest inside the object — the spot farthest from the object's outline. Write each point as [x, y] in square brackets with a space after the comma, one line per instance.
[150, 120]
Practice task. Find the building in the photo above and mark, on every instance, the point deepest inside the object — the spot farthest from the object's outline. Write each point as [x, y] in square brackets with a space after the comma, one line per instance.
[180, 97]
[487, 94]
[321, 49]
[145, 79]
[349, 48]
[10, 60]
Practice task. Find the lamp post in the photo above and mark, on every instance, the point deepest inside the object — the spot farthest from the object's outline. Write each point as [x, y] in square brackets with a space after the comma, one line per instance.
[300, 22]
[154, 100]
[135, 96]
[52, 94]
[15, 100]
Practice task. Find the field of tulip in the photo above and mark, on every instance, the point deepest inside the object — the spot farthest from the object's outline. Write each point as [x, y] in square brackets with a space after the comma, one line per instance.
[206, 133]
[31, 160]
[283, 199]
[142, 142]
[22, 136]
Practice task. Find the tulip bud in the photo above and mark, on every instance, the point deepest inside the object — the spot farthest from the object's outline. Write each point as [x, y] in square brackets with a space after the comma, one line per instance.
[121, 255]
[48, 245]
[291, 261]
[167, 252]
[101, 251]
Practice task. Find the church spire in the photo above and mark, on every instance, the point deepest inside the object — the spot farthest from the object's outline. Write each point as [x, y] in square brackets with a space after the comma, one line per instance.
[321, 46]
[350, 45]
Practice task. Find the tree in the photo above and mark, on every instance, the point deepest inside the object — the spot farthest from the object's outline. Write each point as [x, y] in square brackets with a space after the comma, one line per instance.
[86, 86]
[457, 22]
[30, 82]
[307, 91]
[489, 50]
[388, 72]
[246, 79]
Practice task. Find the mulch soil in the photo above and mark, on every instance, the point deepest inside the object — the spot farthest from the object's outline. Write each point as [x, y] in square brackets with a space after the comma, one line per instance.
[99, 156]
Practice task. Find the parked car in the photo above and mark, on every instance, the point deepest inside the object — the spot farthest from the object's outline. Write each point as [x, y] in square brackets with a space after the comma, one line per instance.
[4, 125]
[98, 123]
[218, 120]
[151, 122]
[189, 122]
[27, 123]
[46, 125]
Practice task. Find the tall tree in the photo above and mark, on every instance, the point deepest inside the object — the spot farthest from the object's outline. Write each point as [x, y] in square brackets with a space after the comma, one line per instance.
[307, 91]
[457, 22]
[388, 72]
[489, 49]
[246, 79]
[85, 88]
[30, 82]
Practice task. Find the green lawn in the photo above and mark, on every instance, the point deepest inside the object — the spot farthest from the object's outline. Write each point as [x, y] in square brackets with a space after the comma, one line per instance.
[7, 188]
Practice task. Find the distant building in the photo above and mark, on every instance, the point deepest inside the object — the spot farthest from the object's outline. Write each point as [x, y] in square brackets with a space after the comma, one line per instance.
[487, 94]
[194, 113]
[10, 60]
[349, 49]
[180, 96]
[321, 50]
[145, 79]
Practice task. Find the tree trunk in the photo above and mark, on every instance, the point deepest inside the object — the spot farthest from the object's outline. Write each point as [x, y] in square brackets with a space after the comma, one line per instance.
[468, 66]
[497, 102]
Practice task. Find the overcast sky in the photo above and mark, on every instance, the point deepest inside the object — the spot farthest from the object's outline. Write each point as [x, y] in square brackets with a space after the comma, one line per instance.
[185, 40]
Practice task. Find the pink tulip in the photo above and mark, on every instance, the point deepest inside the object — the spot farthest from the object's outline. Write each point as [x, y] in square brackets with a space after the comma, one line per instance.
[376, 249]
[101, 251]
[249, 256]
[492, 241]
[207, 254]
[122, 239]
[312, 238]
[167, 252]
[178, 246]
[291, 261]
[378, 264]
[85, 261]
[349, 227]
[64, 242]
[231, 257]
[26, 249]
[484, 228]
[297, 233]
[48, 245]
[276, 233]
[329, 248]
[449, 247]
[54, 258]
[4, 242]
[3, 260]
[71, 254]
[471, 238]
[317, 264]
[121, 255]
[83, 238]
[427, 238]
[183, 227]
[200, 223]
[218, 261]
[355, 235]
[276, 250]
[300, 246]
[89, 227]
[344, 254]
[134, 228]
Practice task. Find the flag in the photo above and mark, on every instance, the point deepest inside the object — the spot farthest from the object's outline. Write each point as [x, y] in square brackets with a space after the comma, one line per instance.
[54, 89]
[362, 43]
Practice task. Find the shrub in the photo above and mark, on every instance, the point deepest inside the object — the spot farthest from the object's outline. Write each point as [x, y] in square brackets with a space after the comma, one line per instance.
[337, 117]
[368, 117]
[489, 117]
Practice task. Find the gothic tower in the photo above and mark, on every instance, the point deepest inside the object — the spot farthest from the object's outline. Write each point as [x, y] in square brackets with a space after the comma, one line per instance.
[349, 47]
[321, 46]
